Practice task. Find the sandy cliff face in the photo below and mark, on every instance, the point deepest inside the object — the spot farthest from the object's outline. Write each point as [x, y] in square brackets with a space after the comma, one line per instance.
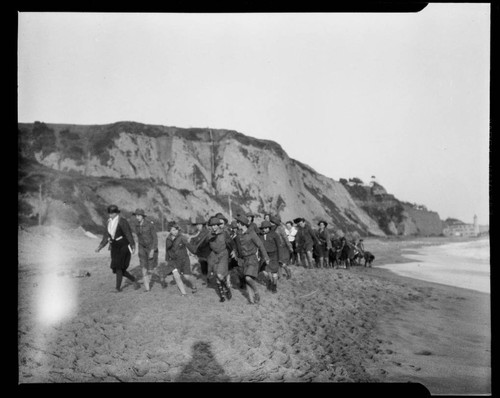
[176, 174]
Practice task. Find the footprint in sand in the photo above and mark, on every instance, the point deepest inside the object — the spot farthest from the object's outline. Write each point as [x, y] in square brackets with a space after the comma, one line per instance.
[423, 352]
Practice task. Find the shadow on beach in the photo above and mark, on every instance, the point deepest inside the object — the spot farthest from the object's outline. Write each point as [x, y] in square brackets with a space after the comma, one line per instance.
[203, 367]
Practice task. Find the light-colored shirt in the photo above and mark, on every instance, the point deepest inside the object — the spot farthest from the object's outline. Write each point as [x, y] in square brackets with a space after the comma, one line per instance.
[112, 224]
[290, 233]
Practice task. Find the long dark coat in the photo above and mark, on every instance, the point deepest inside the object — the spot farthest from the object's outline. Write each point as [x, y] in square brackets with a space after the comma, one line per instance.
[119, 245]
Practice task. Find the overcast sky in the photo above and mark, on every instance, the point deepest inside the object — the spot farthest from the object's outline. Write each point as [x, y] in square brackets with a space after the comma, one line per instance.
[403, 97]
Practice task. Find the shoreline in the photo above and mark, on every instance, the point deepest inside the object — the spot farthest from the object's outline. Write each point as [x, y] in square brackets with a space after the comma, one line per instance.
[442, 341]
[463, 264]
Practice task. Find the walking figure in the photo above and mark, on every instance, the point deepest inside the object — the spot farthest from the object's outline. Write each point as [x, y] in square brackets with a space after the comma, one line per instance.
[271, 243]
[177, 257]
[248, 245]
[147, 241]
[121, 245]
[218, 259]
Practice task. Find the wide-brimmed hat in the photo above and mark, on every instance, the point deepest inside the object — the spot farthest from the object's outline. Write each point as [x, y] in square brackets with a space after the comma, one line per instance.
[214, 221]
[275, 220]
[113, 209]
[233, 224]
[221, 217]
[198, 220]
[242, 219]
[250, 214]
[139, 212]
[265, 224]
[298, 219]
[324, 222]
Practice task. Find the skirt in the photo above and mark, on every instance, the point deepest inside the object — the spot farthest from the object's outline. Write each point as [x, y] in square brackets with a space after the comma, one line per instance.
[145, 261]
[284, 254]
[218, 263]
[273, 265]
[250, 265]
[182, 265]
[321, 250]
[120, 255]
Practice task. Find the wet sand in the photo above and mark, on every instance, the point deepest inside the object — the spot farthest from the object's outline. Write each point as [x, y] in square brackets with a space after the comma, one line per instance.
[351, 326]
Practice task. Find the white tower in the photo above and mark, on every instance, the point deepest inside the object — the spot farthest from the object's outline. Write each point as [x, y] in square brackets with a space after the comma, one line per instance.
[476, 226]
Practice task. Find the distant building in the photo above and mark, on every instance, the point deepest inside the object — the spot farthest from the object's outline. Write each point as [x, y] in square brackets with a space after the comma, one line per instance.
[455, 227]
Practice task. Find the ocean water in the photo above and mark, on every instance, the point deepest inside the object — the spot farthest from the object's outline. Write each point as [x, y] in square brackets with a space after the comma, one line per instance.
[461, 264]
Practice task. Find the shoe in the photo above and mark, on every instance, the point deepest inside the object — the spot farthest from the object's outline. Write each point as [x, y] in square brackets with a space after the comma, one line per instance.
[275, 289]
[137, 285]
[222, 299]
[194, 290]
[118, 290]
[229, 295]
[163, 284]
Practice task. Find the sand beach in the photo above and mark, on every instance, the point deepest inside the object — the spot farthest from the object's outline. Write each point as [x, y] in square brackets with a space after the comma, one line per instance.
[362, 325]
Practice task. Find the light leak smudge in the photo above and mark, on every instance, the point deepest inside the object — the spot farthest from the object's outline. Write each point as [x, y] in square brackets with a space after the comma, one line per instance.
[56, 299]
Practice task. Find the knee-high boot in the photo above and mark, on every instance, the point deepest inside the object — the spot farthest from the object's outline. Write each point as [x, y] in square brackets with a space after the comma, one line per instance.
[220, 290]
[227, 289]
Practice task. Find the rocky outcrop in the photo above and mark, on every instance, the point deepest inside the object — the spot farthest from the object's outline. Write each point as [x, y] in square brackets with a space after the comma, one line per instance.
[393, 216]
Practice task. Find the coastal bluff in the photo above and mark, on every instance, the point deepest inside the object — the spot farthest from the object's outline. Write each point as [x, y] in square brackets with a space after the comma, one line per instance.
[69, 173]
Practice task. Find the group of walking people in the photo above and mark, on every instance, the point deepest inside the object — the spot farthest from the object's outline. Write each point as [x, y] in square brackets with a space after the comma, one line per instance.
[240, 247]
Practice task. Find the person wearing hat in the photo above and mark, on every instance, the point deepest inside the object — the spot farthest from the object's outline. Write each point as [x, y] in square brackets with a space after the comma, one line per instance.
[147, 242]
[285, 247]
[218, 258]
[271, 243]
[177, 257]
[121, 245]
[235, 265]
[252, 226]
[248, 244]
[305, 239]
[202, 251]
[323, 245]
[227, 231]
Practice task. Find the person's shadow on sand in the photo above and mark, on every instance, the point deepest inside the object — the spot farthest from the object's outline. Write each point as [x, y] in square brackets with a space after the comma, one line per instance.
[203, 366]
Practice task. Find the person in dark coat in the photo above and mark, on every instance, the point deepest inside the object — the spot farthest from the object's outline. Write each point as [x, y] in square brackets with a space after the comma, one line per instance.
[271, 242]
[346, 252]
[235, 263]
[226, 228]
[121, 245]
[203, 250]
[248, 244]
[177, 257]
[218, 259]
[147, 241]
[285, 247]
[305, 240]
[323, 245]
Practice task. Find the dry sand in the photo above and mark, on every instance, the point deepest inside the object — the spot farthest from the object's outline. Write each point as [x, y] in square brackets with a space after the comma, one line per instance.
[356, 325]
